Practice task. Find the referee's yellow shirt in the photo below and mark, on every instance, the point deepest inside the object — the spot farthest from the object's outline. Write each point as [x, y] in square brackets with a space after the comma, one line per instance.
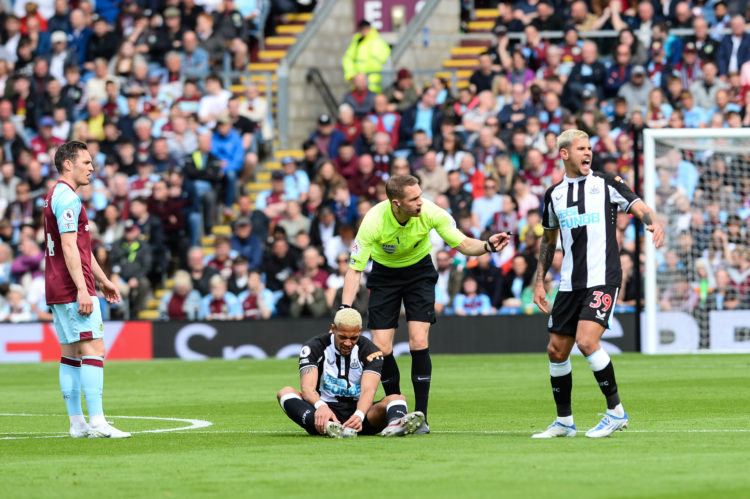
[389, 243]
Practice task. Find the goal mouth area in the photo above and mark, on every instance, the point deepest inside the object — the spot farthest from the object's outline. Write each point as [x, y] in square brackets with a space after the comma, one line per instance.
[708, 174]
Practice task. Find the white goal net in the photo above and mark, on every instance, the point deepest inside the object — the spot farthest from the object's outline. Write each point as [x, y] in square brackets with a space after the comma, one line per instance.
[697, 292]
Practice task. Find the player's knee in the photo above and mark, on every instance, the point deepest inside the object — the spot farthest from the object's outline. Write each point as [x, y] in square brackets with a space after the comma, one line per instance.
[555, 353]
[396, 396]
[418, 343]
[587, 346]
[284, 391]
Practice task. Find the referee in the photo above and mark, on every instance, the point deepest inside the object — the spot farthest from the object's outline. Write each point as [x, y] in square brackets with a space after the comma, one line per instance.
[395, 234]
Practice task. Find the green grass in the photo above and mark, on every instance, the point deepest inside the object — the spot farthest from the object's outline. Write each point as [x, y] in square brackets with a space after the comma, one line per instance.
[483, 410]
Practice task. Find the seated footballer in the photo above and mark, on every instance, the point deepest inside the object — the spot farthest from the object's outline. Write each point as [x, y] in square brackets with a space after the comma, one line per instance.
[339, 375]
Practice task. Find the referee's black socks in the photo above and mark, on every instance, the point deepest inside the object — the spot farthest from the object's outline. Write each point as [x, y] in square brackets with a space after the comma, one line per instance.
[421, 372]
[390, 376]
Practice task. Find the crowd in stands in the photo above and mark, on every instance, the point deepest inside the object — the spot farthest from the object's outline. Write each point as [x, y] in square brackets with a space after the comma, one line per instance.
[175, 154]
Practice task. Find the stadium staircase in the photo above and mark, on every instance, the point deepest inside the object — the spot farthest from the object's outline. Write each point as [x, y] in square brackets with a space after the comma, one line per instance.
[465, 57]
[263, 66]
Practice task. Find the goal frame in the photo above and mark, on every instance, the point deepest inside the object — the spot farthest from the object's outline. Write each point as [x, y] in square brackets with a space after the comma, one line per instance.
[650, 335]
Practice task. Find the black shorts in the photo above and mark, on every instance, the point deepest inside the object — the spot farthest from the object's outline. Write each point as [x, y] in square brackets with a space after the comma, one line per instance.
[414, 285]
[590, 304]
[344, 410]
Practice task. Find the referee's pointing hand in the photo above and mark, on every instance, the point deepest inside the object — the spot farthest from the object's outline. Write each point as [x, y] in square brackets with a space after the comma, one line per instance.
[499, 241]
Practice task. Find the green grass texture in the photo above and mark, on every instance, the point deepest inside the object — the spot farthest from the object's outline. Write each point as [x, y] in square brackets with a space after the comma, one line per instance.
[689, 434]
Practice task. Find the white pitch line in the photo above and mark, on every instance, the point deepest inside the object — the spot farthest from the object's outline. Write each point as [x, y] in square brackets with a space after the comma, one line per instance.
[192, 424]
[457, 432]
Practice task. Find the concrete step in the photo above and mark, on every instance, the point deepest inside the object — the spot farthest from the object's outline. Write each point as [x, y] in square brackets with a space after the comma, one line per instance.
[148, 315]
[298, 17]
[221, 230]
[208, 251]
[273, 165]
[290, 29]
[485, 14]
[262, 78]
[462, 83]
[208, 240]
[481, 26]
[295, 153]
[271, 54]
[471, 50]
[263, 66]
[461, 63]
[160, 292]
[257, 186]
[263, 176]
[280, 41]
[476, 43]
[153, 304]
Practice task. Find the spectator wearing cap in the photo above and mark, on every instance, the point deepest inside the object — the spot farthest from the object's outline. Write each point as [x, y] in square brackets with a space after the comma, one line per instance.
[482, 78]
[589, 73]
[366, 54]
[227, 146]
[401, 94]
[205, 172]
[79, 33]
[546, 18]
[102, 43]
[636, 91]
[132, 259]
[360, 98]
[272, 202]
[168, 37]
[689, 67]
[424, 115]
[296, 181]
[734, 49]
[42, 142]
[705, 89]
[327, 138]
[618, 72]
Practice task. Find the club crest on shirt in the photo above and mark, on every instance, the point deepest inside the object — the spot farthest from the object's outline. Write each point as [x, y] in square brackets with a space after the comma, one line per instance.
[389, 248]
[594, 190]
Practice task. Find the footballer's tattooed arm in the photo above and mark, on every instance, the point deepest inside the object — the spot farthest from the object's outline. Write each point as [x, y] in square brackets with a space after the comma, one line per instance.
[546, 254]
[647, 216]
[307, 369]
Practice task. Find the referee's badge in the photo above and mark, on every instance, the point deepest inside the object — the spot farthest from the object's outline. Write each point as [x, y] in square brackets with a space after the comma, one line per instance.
[389, 248]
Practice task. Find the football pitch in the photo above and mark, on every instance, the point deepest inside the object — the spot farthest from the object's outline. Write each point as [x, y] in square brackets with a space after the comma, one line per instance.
[214, 429]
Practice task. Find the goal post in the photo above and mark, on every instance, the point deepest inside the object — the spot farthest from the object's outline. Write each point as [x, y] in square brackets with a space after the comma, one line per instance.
[698, 182]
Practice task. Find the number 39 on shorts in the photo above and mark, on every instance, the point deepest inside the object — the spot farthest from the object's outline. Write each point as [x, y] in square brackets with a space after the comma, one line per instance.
[601, 300]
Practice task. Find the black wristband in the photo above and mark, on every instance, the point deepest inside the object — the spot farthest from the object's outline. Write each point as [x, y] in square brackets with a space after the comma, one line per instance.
[489, 247]
[343, 306]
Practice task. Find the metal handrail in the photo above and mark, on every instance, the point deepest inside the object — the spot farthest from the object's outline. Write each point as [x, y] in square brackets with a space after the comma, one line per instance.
[315, 77]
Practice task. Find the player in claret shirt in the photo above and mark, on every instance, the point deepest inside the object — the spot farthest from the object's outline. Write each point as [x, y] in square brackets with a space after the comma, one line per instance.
[70, 270]
[339, 375]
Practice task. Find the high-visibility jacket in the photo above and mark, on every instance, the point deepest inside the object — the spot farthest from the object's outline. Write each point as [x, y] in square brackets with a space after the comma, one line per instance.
[366, 55]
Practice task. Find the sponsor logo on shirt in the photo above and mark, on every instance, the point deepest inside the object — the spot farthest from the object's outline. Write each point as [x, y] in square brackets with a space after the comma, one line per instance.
[338, 388]
[570, 219]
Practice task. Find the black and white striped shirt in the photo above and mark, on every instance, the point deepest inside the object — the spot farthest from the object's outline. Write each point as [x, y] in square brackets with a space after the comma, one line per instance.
[585, 211]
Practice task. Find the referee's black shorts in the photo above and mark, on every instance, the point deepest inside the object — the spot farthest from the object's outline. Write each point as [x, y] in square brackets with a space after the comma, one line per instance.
[414, 285]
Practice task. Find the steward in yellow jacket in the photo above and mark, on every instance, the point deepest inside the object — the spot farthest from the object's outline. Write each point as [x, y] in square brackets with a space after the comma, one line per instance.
[366, 54]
